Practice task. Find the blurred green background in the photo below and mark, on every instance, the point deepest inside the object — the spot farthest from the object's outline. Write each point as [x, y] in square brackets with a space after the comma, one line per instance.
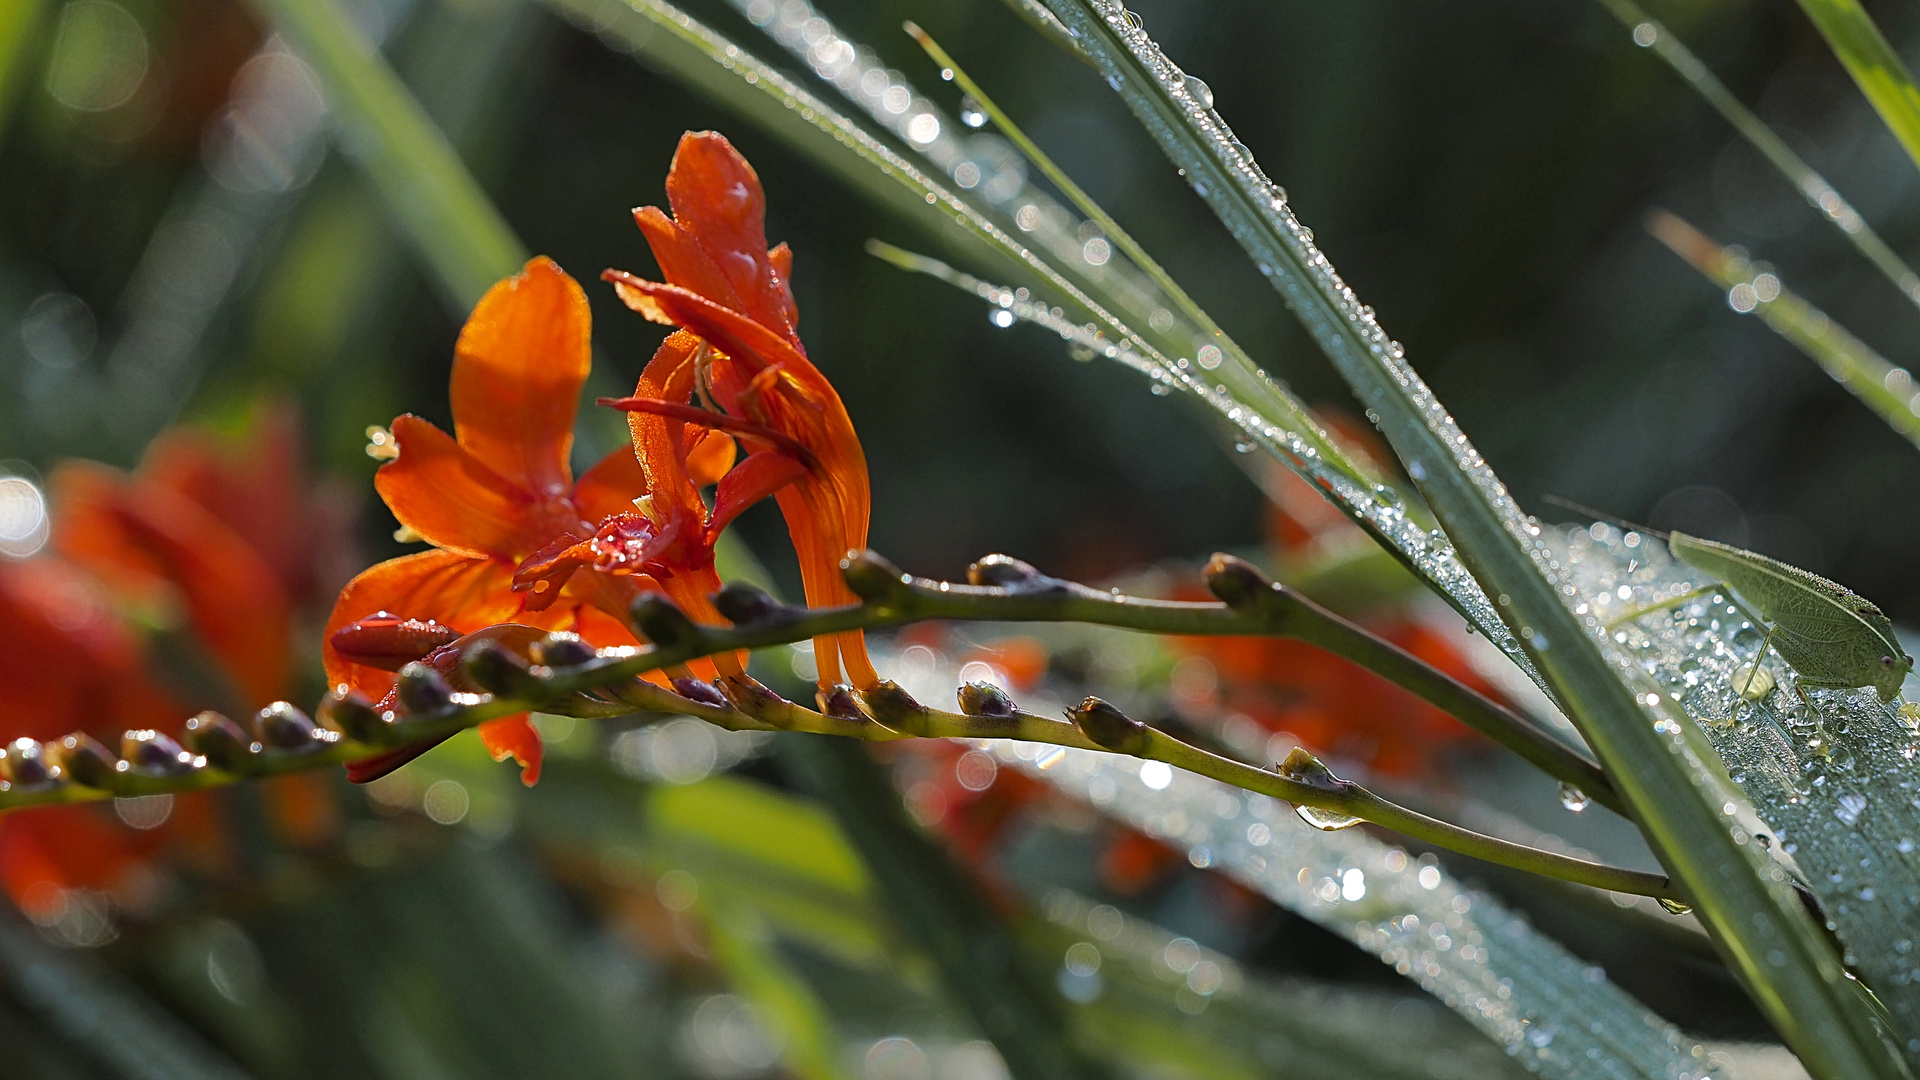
[179, 238]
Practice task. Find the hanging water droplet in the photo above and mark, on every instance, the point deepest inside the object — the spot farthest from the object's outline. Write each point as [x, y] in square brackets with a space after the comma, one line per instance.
[1160, 389]
[1243, 447]
[1325, 820]
[972, 113]
[1240, 148]
[1752, 682]
[1133, 19]
[1200, 92]
[1675, 907]
[1573, 798]
[1000, 317]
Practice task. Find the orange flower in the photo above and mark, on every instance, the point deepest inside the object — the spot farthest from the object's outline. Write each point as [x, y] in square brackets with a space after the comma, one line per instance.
[740, 357]
[493, 496]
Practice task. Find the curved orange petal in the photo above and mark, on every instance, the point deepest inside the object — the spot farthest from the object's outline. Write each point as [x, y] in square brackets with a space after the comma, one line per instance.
[754, 479]
[611, 485]
[710, 457]
[517, 373]
[452, 589]
[660, 441]
[514, 737]
[717, 196]
[682, 260]
[452, 498]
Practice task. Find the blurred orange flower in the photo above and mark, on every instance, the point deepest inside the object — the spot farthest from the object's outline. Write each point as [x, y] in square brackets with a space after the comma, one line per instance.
[497, 494]
[740, 357]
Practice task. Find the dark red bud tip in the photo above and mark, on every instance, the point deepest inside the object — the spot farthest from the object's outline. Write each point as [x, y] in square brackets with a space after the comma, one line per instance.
[985, 699]
[222, 742]
[872, 578]
[661, 622]
[388, 642]
[85, 761]
[497, 670]
[353, 716]
[26, 765]
[703, 692]
[563, 650]
[747, 605]
[839, 702]
[286, 728]
[1235, 580]
[748, 694]
[1110, 728]
[154, 753]
[888, 703]
[421, 689]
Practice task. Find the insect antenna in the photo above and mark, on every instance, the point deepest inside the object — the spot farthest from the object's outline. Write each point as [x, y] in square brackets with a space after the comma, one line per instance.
[1598, 515]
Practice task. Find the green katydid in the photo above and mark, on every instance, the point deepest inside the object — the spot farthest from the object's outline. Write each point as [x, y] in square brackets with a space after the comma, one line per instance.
[1832, 637]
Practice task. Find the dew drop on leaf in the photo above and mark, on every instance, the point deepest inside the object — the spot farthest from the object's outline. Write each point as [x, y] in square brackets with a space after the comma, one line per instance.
[1674, 907]
[1573, 798]
[1200, 92]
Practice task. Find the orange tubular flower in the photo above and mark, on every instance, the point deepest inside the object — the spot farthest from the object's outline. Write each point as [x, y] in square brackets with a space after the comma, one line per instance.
[497, 494]
[739, 356]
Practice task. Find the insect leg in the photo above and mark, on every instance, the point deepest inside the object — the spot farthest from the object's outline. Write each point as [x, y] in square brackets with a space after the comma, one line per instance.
[1704, 590]
[1754, 672]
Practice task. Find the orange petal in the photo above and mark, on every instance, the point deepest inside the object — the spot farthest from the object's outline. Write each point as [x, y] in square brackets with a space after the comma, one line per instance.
[449, 588]
[781, 258]
[238, 610]
[711, 457]
[513, 737]
[754, 479]
[452, 498]
[682, 260]
[517, 373]
[610, 486]
[717, 196]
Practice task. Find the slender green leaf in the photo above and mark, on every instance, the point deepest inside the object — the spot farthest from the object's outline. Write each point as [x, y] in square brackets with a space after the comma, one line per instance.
[1876, 68]
[1648, 33]
[18, 21]
[425, 186]
[1662, 763]
[1755, 289]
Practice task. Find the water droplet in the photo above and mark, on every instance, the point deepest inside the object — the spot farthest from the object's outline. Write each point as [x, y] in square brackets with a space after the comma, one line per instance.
[972, 113]
[1133, 19]
[1851, 804]
[1000, 317]
[1200, 92]
[1573, 798]
[1325, 820]
[1674, 907]
[1753, 682]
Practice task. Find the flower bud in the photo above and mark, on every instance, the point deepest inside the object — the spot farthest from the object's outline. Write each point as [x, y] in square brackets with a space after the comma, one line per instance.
[889, 704]
[746, 604]
[838, 701]
[1006, 572]
[149, 751]
[497, 670]
[84, 760]
[1237, 582]
[387, 641]
[985, 699]
[353, 716]
[874, 579]
[661, 622]
[702, 692]
[284, 727]
[563, 650]
[1302, 767]
[1110, 728]
[221, 741]
[421, 689]
[26, 765]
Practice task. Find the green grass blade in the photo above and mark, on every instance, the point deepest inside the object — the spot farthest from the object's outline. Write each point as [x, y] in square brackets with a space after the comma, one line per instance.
[18, 20]
[1886, 389]
[1669, 772]
[421, 178]
[1648, 33]
[1876, 68]
[681, 47]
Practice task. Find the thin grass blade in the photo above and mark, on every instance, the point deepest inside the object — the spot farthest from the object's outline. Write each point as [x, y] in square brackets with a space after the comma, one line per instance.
[1663, 764]
[1648, 33]
[1876, 68]
[421, 178]
[1752, 289]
